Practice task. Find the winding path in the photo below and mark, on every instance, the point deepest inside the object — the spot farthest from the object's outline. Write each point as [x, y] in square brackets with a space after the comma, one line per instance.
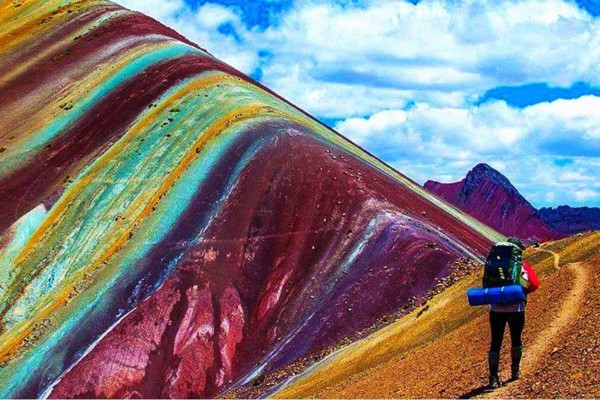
[399, 371]
[554, 254]
[569, 309]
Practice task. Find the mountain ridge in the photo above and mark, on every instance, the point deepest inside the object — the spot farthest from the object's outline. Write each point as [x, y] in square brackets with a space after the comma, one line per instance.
[490, 197]
[570, 220]
[516, 216]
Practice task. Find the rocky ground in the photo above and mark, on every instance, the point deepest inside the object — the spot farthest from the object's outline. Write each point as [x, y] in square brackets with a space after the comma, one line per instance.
[568, 365]
[562, 344]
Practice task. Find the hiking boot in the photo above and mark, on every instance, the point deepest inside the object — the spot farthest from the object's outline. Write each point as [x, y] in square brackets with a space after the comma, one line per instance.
[494, 382]
[515, 374]
[494, 364]
[515, 354]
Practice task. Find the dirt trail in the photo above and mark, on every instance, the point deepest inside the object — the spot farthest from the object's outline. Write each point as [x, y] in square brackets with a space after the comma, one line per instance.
[562, 348]
[568, 312]
[554, 254]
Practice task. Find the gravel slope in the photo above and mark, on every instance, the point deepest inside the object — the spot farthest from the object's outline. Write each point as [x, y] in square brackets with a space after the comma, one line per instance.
[561, 345]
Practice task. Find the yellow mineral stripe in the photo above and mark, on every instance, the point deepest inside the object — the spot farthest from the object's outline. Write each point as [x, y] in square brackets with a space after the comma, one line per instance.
[246, 112]
[17, 70]
[78, 90]
[16, 32]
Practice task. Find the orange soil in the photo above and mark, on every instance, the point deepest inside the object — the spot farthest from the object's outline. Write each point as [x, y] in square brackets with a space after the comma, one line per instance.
[562, 345]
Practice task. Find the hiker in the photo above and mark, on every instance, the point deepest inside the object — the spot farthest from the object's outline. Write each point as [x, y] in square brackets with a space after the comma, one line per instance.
[504, 267]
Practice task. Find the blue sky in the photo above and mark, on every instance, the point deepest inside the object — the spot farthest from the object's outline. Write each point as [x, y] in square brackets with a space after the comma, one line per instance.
[432, 87]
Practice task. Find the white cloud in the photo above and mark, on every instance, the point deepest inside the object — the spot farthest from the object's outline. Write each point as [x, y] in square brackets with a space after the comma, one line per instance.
[427, 142]
[342, 61]
[443, 53]
[211, 16]
[586, 194]
[403, 78]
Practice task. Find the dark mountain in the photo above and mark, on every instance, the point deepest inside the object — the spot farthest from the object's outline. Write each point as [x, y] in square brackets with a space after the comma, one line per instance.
[489, 196]
[570, 220]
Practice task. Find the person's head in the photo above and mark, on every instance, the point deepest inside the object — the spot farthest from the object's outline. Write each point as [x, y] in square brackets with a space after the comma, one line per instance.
[517, 242]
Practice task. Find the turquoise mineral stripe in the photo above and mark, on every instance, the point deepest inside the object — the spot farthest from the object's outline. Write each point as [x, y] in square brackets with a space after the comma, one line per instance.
[90, 304]
[169, 52]
[21, 232]
[132, 172]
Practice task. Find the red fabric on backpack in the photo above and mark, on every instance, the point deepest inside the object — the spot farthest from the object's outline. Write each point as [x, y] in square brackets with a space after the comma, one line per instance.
[534, 281]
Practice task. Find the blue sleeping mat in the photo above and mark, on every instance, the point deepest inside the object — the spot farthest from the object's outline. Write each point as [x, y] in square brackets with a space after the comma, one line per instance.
[498, 295]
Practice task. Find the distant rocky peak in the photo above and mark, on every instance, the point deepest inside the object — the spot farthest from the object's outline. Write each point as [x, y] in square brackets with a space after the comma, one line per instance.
[484, 171]
[488, 196]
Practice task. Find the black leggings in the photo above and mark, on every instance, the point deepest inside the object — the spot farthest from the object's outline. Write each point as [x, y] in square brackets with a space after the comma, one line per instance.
[498, 320]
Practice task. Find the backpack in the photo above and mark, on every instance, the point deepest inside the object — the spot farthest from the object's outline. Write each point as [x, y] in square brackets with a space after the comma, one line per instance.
[503, 265]
[529, 279]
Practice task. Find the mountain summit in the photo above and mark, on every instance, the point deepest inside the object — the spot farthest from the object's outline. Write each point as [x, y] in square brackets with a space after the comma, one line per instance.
[489, 196]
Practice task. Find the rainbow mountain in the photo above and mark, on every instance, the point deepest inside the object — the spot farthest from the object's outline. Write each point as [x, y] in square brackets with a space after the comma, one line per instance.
[171, 228]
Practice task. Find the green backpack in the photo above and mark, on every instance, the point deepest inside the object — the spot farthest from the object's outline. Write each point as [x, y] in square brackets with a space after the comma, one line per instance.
[503, 265]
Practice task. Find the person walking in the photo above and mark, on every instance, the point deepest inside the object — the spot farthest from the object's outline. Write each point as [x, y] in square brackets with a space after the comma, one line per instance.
[508, 266]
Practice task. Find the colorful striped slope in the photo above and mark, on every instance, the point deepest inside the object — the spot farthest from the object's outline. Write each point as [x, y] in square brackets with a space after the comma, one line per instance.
[169, 228]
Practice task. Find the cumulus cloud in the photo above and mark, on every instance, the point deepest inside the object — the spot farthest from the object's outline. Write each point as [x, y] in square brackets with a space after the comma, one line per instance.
[562, 127]
[390, 52]
[404, 80]
[586, 194]
[428, 142]
[439, 52]
[215, 27]
[212, 16]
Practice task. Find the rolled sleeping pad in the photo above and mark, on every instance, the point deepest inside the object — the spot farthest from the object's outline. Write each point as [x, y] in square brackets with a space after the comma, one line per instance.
[497, 295]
